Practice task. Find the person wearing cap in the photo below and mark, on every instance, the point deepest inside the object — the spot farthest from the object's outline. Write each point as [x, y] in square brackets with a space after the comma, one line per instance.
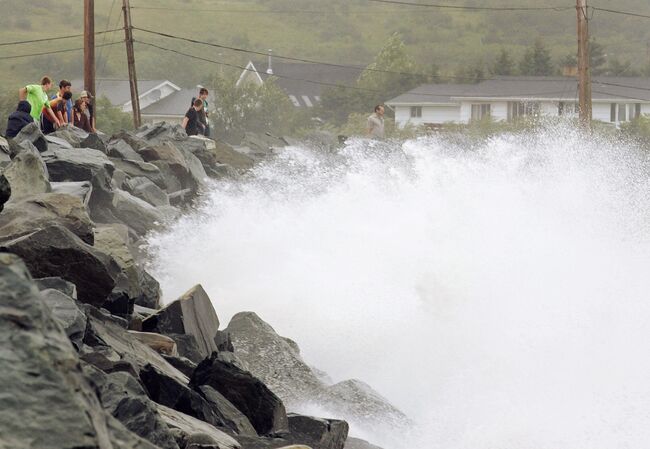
[87, 98]
[36, 96]
[65, 86]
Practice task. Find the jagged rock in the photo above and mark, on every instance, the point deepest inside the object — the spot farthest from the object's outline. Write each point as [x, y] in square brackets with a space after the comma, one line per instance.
[146, 190]
[232, 418]
[82, 190]
[180, 197]
[57, 142]
[151, 291]
[141, 169]
[5, 152]
[198, 176]
[275, 360]
[188, 347]
[261, 145]
[133, 141]
[141, 216]
[77, 164]
[32, 134]
[55, 251]
[174, 183]
[160, 132]
[185, 366]
[66, 310]
[191, 428]
[357, 443]
[248, 394]
[119, 179]
[48, 209]
[191, 314]
[50, 404]
[318, 433]
[166, 152]
[212, 153]
[27, 174]
[107, 360]
[159, 343]
[71, 134]
[113, 239]
[122, 150]
[95, 142]
[5, 191]
[59, 284]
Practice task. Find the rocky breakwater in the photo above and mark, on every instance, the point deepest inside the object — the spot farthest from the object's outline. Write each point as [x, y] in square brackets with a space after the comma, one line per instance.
[89, 357]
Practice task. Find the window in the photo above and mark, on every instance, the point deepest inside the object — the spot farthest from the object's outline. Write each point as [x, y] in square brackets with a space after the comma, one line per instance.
[416, 111]
[518, 109]
[565, 108]
[623, 112]
[480, 111]
[622, 116]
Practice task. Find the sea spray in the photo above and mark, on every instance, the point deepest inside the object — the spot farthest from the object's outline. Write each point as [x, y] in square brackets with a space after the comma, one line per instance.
[498, 291]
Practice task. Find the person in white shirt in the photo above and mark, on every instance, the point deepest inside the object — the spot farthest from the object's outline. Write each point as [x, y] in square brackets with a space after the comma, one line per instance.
[376, 123]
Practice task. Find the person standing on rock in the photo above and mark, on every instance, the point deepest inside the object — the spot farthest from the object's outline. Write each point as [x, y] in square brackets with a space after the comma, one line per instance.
[19, 119]
[203, 114]
[58, 105]
[36, 95]
[65, 86]
[192, 121]
[87, 98]
[375, 127]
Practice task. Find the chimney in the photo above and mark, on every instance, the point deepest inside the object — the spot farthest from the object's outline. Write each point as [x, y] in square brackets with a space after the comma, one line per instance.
[269, 71]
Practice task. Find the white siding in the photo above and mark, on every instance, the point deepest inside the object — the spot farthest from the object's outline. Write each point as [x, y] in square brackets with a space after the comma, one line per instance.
[436, 115]
[645, 109]
[549, 108]
[499, 110]
[601, 111]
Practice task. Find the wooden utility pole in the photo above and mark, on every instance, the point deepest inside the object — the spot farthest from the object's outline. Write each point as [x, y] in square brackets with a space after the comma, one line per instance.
[89, 47]
[130, 58]
[584, 71]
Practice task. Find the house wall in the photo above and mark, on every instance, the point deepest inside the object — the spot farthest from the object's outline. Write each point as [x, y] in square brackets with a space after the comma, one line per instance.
[498, 110]
[430, 115]
[159, 118]
[152, 97]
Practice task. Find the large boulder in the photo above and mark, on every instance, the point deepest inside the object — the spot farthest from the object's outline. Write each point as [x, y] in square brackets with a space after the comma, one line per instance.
[197, 174]
[135, 168]
[27, 174]
[120, 149]
[46, 400]
[232, 418]
[131, 139]
[58, 284]
[55, 251]
[32, 134]
[81, 189]
[5, 191]
[161, 132]
[318, 433]
[191, 314]
[166, 152]
[248, 394]
[67, 311]
[49, 209]
[5, 152]
[77, 164]
[213, 153]
[194, 433]
[113, 239]
[357, 443]
[139, 215]
[146, 190]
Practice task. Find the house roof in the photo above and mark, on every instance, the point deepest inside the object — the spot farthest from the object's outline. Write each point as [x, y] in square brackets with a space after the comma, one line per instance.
[528, 87]
[175, 105]
[118, 91]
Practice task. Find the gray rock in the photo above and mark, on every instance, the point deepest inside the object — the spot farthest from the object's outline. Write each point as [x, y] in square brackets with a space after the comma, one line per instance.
[122, 150]
[131, 139]
[57, 142]
[27, 174]
[95, 142]
[172, 179]
[32, 134]
[233, 418]
[195, 169]
[77, 164]
[151, 291]
[188, 347]
[113, 239]
[48, 209]
[5, 152]
[249, 395]
[166, 152]
[191, 314]
[180, 197]
[190, 428]
[146, 190]
[141, 216]
[81, 189]
[66, 310]
[71, 134]
[182, 364]
[318, 433]
[50, 404]
[5, 191]
[59, 284]
[211, 153]
[55, 251]
[141, 169]
[119, 179]
[161, 132]
[357, 443]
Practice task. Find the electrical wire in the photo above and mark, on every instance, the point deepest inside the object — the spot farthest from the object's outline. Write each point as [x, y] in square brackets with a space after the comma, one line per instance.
[52, 52]
[475, 8]
[624, 13]
[47, 39]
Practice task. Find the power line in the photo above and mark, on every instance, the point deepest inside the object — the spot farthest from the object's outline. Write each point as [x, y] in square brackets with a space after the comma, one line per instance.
[476, 8]
[52, 52]
[47, 39]
[266, 11]
[614, 11]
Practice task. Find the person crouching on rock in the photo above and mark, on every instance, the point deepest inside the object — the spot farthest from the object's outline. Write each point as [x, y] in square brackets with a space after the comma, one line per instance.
[192, 121]
[58, 105]
[19, 119]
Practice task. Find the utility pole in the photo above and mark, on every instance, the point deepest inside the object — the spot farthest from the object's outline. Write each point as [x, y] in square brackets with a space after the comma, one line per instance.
[584, 71]
[130, 58]
[89, 47]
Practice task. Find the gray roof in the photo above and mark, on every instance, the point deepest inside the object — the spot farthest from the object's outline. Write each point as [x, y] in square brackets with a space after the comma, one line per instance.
[175, 104]
[529, 87]
[116, 90]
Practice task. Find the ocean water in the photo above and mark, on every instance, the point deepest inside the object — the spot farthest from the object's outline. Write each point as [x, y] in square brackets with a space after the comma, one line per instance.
[498, 292]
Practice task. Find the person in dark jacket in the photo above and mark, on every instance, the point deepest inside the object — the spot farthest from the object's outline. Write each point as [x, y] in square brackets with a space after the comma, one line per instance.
[19, 119]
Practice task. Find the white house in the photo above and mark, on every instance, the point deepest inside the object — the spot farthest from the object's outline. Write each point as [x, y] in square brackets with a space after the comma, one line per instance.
[615, 100]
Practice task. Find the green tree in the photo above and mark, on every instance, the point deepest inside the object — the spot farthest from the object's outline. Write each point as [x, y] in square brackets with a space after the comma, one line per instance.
[536, 60]
[111, 119]
[504, 64]
[470, 74]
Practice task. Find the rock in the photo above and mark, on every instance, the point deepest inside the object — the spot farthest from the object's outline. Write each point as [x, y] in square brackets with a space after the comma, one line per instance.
[161, 132]
[32, 134]
[5, 191]
[180, 197]
[141, 169]
[122, 150]
[248, 394]
[5, 152]
[50, 404]
[173, 181]
[55, 251]
[356, 443]
[195, 168]
[48, 209]
[232, 418]
[190, 428]
[146, 190]
[59, 284]
[77, 164]
[191, 314]
[119, 179]
[261, 145]
[159, 343]
[185, 366]
[166, 152]
[141, 216]
[95, 142]
[132, 140]
[113, 239]
[274, 360]
[212, 153]
[188, 347]
[82, 190]
[71, 134]
[27, 174]
[151, 292]
[318, 433]
[57, 142]
[66, 310]
[107, 360]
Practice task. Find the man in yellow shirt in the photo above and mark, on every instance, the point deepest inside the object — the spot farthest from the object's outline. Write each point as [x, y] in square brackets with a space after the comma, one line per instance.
[36, 95]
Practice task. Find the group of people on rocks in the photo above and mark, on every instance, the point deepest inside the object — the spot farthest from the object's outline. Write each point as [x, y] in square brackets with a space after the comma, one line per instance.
[51, 112]
[196, 120]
